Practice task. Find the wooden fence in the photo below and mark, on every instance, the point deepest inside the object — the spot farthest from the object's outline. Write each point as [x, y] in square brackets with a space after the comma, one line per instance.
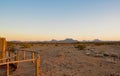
[17, 58]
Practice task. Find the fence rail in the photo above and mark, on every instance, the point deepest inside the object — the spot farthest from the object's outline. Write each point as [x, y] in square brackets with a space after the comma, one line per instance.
[16, 58]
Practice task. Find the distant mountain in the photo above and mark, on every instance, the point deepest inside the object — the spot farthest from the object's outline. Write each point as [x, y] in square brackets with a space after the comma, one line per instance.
[53, 41]
[97, 40]
[68, 40]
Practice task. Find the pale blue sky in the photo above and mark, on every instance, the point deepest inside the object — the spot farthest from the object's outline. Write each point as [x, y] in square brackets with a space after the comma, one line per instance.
[60, 19]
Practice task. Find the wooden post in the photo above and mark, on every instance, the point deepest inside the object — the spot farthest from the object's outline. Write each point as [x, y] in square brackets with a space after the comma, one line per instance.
[24, 55]
[17, 58]
[10, 55]
[33, 57]
[37, 67]
[7, 68]
[2, 48]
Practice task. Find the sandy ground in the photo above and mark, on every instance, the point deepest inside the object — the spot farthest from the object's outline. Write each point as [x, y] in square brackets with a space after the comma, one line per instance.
[66, 60]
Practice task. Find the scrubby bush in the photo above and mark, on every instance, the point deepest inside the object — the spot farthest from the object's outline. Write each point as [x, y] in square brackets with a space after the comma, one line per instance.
[80, 46]
[99, 44]
[25, 45]
[56, 44]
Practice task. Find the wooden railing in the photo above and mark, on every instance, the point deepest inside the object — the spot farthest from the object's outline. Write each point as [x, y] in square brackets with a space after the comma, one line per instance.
[18, 58]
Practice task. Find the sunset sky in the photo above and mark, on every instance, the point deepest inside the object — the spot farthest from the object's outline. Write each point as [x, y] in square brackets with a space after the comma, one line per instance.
[27, 20]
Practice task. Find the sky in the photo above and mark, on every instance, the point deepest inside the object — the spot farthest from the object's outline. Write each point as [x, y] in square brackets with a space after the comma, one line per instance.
[41, 20]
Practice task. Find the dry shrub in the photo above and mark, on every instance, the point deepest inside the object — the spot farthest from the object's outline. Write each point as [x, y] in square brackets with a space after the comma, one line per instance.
[99, 44]
[80, 46]
[56, 44]
[25, 45]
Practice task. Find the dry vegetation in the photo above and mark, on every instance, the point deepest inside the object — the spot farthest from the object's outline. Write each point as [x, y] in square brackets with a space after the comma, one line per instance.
[77, 59]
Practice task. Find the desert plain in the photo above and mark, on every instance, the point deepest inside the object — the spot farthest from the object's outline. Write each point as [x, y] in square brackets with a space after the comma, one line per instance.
[71, 59]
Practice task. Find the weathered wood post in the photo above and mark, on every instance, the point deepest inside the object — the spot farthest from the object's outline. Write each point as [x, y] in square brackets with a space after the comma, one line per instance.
[33, 57]
[10, 55]
[37, 66]
[7, 68]
[24, 55]
[17, 58]
[2, 48]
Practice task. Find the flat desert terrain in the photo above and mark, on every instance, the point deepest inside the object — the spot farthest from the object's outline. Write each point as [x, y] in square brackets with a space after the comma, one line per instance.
[70, 60]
